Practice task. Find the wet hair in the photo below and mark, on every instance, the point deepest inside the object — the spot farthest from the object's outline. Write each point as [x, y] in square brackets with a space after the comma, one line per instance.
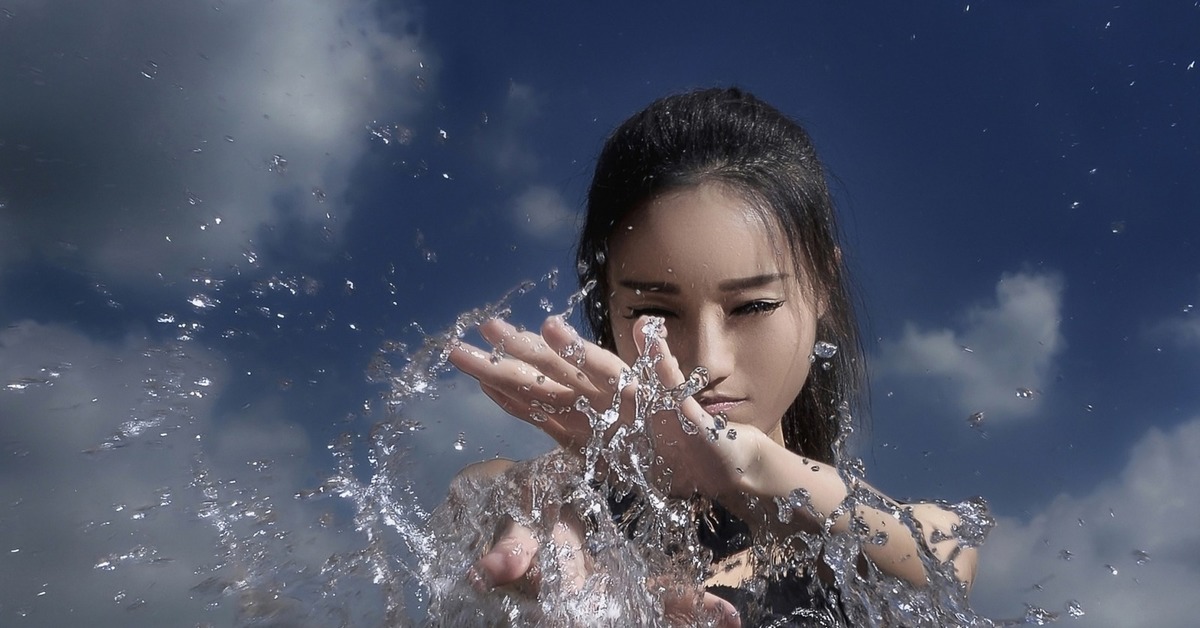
[733, 139]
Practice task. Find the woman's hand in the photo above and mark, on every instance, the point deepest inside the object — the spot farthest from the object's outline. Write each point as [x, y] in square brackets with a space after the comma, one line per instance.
[514, 562]
[540, 377]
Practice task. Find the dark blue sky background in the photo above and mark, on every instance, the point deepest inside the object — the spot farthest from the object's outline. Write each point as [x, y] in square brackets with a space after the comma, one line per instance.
[1019, 178]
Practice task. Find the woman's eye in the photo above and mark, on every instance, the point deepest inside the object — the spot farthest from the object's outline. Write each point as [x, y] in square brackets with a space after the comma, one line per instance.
[759, 307]
[635, 312]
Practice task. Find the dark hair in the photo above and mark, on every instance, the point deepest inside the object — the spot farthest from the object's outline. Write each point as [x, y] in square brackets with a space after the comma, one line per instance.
[730, 137]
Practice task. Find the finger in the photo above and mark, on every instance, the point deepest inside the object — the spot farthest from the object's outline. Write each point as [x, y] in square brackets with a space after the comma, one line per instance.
[510, 558]
[568, 540]
[722, 610]
[520, 381]
[537, 417]
[598, 364]
[532, 349]
[666, 367]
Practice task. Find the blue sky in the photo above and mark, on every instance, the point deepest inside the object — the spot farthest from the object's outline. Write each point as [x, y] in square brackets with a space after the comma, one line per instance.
[212, 216]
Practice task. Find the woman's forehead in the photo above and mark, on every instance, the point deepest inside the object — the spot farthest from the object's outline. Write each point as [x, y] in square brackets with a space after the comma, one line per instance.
[700, 224]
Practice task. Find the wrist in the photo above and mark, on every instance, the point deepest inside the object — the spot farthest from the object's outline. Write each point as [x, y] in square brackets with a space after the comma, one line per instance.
[744, 470]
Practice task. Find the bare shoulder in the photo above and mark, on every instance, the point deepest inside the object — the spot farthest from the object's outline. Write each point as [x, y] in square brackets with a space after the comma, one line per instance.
[485, 469]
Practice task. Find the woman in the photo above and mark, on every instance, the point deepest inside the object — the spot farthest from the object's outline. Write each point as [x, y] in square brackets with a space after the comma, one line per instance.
[710, 211]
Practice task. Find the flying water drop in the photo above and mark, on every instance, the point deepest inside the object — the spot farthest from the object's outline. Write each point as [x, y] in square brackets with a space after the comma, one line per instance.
[824, 350]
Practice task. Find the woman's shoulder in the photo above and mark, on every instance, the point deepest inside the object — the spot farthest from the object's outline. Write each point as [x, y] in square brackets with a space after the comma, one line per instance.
[485, 469]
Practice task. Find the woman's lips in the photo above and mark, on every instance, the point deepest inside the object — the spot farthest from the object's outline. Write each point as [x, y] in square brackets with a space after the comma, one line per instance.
[720, 405]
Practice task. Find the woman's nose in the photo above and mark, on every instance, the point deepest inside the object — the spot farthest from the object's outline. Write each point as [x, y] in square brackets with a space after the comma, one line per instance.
[711, 348]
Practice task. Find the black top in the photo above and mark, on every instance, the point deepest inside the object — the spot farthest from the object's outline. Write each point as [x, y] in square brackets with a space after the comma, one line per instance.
[789, 599]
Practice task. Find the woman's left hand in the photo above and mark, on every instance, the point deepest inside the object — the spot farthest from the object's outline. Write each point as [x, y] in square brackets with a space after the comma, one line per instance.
[539, 377]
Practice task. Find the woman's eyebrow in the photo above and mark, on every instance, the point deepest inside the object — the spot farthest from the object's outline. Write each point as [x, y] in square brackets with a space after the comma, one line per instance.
[746, 283]
[731, 285]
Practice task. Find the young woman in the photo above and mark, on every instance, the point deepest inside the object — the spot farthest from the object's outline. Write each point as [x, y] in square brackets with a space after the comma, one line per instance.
[710, 210]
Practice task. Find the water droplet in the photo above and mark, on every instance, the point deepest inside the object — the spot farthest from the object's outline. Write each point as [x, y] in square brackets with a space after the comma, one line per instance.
[975, 420]
[460, 442]
[203, 302]
[277, 164]
[1074, 609]
[545, 304]
[1024, 393]
[824, 350]
[731, 434]
[1141, 557]
[551, 279]
[1035, 616]
[1111, 569]
[1117, 227]
[1065, 554]
[318, 194]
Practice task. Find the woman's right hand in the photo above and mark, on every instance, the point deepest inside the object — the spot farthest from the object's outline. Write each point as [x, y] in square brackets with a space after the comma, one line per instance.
[542, 378]
[514, 560]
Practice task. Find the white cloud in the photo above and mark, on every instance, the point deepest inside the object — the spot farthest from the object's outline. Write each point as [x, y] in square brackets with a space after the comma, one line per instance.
[149, 146]
[541, 212]
[119, 536]
[999, 348]
[507, 148]
[1150, 507]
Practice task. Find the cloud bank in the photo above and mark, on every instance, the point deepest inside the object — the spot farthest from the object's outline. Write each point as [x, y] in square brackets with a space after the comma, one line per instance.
[144, 138]
[541, 213]
[1128, 553]
[998, 359]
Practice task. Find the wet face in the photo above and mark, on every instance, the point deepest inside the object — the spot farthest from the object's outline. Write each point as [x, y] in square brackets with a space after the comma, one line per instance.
[704, 260]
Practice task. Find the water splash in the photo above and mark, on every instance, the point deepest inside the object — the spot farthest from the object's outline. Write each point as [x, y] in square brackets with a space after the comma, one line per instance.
[411, 562]
[536, 493]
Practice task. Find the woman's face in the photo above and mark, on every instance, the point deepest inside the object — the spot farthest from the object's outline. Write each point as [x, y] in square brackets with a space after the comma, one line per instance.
[704, 260]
